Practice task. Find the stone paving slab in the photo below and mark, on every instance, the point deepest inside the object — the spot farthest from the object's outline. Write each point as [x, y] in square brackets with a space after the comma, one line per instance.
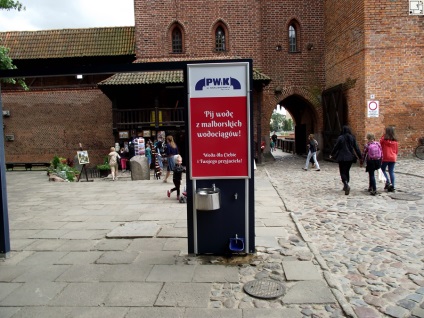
[172, 232]
[83, 294]
[86, 257]
[33, 294]
[156, 312]
[42, 273]
[272, 313]
[133, 294]
[215, 273]
[127, 273]
[117, 257]
[82, 312]
[301, 271]
[215, 313]
[309, 292]
[189, 295]
[84, 273]
[135, 229]
[171, 273]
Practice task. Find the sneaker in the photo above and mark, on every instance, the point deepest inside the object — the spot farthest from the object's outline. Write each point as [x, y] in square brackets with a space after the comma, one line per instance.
[318, 170]
[373, 192]
[386, 187]
[391, 189]
[168, 193]
[305, 169]
[164, 181]
[369, 189]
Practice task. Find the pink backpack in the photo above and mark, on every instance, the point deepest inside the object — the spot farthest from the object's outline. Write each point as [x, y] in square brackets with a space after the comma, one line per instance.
[374, 151]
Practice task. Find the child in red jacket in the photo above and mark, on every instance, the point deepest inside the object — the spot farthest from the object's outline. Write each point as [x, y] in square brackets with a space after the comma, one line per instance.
[389, 145]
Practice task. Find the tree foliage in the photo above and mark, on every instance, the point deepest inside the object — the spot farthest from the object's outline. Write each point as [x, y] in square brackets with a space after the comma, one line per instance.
[11, 4]
[276, 121]
[6, 62]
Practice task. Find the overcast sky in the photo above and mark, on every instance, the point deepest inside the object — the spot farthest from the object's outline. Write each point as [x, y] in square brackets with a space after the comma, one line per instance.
[67, 14]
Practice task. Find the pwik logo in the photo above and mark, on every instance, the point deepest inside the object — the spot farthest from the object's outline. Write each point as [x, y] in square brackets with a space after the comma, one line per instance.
[224, 83]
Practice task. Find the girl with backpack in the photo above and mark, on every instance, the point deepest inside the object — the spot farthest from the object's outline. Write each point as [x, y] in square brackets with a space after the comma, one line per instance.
[389, 145]
[372, 155]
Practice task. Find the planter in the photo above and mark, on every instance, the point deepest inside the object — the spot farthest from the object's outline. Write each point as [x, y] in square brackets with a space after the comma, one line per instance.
[104, 173]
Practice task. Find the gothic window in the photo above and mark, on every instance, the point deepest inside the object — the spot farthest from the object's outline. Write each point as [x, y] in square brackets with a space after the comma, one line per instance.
[177, 40]
[220, 45]
[293, 37]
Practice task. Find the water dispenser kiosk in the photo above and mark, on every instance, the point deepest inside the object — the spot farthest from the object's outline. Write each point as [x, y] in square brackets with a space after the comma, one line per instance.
[220, 180]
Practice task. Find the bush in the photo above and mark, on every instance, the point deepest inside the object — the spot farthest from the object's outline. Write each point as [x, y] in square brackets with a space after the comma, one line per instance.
[105, 165]
[60, 167]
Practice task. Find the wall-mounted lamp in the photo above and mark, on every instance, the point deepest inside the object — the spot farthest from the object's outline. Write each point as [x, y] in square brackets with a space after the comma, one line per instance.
[310, 46]
[6, 113]
[79, 76]
[278, 90]
[278, 48]
[10, 137]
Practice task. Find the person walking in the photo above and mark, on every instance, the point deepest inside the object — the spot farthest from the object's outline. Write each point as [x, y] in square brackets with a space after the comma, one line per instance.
[170, 152]
[345, 152]
[177, 176]
[272, 145]
[372, 156]
[312, 152]
[389, 144]
[123, 153]
[113, 162]
[274, 138]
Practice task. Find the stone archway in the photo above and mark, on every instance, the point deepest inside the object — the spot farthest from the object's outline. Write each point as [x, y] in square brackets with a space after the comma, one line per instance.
[304, 108]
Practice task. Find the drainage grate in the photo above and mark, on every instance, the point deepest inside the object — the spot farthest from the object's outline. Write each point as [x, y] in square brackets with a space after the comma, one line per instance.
[405, 196]
[264, 288]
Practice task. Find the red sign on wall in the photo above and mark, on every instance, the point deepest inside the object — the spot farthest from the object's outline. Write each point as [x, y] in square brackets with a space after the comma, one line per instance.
[219, 121]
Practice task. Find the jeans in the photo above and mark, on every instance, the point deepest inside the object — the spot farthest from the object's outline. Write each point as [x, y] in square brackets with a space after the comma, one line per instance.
[391, 166]
[314, 156]
[372, 184]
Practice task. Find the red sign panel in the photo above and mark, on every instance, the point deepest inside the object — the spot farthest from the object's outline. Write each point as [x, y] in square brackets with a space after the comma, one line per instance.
[219, 121]
[219, 137]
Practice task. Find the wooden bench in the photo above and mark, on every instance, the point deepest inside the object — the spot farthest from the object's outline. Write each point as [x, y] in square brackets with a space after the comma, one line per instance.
[26, 165]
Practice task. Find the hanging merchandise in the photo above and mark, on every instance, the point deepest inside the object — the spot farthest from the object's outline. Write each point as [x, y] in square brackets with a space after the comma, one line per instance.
[139, 147]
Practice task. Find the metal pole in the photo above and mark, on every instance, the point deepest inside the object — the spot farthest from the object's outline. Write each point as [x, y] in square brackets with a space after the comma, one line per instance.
[4, 217]
[259, 128]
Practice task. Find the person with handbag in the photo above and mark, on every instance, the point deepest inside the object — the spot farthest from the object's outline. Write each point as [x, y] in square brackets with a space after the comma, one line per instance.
[312, 153]
[346, 152]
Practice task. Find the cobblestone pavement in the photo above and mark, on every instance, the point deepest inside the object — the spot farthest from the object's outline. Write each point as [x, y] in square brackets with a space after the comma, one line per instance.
[370, 247]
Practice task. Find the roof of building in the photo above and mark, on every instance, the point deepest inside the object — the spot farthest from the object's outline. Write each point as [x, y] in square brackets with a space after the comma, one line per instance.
[158, 77]
[67, 43]
[92, 42]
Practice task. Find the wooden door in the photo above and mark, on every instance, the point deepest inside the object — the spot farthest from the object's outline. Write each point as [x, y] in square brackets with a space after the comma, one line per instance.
[334, 108]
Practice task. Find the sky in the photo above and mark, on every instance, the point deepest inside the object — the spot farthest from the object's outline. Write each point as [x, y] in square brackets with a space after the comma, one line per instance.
[67, 14]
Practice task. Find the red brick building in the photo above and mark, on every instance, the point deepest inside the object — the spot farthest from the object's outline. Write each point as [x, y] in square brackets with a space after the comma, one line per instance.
[321, 60]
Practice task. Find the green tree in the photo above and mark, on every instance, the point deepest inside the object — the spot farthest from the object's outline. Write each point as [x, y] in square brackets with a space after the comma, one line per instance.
[6, 62]
[276, 121]
[11, 4]
[288, 124]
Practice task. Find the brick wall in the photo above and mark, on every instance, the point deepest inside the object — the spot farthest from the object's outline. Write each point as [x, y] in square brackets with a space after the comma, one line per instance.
[49, 123]
[380, 46]
[255, 29]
